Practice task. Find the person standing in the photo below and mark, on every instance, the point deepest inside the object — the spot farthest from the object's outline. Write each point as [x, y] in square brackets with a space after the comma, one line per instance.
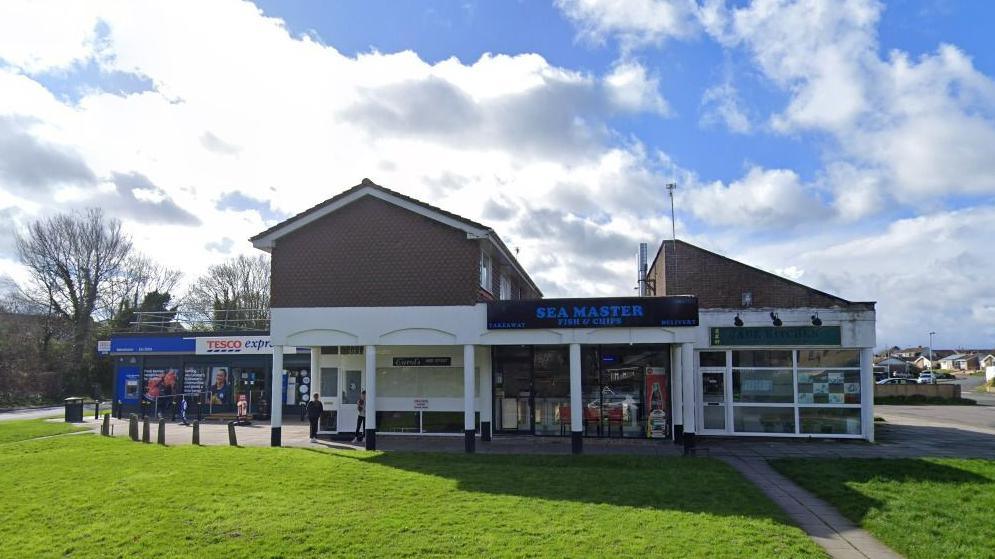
[314, 409]
[360, 417]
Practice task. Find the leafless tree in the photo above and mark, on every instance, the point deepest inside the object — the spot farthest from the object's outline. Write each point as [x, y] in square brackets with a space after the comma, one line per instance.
[232, 295]
[141, 275]
[71, 259]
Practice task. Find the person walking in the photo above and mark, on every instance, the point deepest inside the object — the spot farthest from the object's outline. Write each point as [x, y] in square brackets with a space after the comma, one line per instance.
[314, 409]
[183, 411]
[360, 417]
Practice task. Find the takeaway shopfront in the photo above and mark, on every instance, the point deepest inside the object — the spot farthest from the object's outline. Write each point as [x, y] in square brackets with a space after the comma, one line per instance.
[153, 371]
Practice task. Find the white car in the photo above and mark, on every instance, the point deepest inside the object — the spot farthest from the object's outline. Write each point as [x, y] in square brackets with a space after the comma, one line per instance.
[927, 378]
[896, 381]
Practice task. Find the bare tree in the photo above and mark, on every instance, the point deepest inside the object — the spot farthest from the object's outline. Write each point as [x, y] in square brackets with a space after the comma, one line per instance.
[140, 276]
[232, 295]
[71, 259]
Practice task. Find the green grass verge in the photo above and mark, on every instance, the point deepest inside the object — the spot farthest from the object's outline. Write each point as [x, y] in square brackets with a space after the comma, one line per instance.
[23, 429]
[918, 400]
[265, 502]
[921, 508]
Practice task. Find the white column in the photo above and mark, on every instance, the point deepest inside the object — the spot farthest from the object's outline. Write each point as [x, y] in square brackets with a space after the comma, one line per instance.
[867, 393]
[486, 396]
[276, 397]
[576, 403]
[677, 388]
[370, 352]
[315, 369]
[687, 388]
[469, 398]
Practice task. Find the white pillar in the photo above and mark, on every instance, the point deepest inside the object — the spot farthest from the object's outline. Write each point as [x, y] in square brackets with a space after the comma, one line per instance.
[687, 388]
[677, 390]
[276, 397]
[576, 402]
[315, 369]
[486, 396]
[867, 393]
[469, 407]
[370, 352]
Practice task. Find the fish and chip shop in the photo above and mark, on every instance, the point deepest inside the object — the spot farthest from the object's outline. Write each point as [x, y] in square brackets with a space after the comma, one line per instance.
[436, 319]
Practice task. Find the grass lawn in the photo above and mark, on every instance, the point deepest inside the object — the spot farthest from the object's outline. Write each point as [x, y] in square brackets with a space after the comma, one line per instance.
[23, 429]
[921, 508]
[264, 502]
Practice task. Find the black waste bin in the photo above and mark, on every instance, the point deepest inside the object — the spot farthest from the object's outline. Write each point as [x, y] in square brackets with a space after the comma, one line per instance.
[74, 410]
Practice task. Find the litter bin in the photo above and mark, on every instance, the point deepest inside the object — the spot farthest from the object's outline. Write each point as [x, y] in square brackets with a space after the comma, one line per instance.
[74, 410]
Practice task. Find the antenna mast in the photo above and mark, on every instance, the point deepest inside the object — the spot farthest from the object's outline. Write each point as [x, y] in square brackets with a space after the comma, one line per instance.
[671, 187]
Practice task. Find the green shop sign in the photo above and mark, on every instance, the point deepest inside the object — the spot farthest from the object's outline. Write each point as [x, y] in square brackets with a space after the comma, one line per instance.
[776, 336]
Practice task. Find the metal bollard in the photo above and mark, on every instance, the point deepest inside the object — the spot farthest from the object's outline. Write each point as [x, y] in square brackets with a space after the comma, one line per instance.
[146, 433]
[231, 434]
[133, 427]
[161, 435]
[96, 410]
[120, 409]
[196, 433]
[105, 428]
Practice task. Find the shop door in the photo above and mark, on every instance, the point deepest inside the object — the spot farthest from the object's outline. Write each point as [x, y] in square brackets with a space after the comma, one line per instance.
[328, 388]
[714, 406]
[250, 385]
[351, 385]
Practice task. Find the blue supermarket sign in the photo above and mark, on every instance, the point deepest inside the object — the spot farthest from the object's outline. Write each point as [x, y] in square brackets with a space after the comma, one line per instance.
[619, 312]
[152, 344]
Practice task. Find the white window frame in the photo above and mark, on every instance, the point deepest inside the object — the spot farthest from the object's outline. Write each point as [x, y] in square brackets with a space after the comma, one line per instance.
[504, 289]
[486, 271]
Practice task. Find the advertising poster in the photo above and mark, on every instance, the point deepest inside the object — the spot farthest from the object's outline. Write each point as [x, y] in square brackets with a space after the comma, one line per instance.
[160, 382]
[194, 380]
[220, 387]
[657, 403]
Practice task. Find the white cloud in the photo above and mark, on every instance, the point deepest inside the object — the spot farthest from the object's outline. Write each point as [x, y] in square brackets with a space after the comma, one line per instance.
[762, 199]
[722, 105]
[631, 89]
[245, 107]
[634, 22]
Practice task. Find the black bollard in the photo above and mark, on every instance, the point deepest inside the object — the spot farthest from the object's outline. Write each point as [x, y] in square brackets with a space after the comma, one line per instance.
[96, 410]
[161, 435]
[133, 427]
[105, 428]
[196, 433]
[146, 432]
[689, 449]
[231, 434]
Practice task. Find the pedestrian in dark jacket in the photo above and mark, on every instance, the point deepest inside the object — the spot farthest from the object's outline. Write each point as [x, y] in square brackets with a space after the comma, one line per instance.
[314, 409]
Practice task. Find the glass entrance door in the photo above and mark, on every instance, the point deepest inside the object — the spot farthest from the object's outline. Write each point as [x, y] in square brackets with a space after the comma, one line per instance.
[713, 383]
[513, 389]
[348, 413]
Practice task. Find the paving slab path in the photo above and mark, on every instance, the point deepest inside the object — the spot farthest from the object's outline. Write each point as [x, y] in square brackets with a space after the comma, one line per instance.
[840, 538]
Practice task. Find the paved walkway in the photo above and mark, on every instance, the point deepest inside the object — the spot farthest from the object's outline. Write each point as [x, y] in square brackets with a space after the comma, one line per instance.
[838, 536]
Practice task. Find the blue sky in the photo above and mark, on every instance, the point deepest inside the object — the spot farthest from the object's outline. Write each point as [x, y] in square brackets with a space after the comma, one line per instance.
[846, 144]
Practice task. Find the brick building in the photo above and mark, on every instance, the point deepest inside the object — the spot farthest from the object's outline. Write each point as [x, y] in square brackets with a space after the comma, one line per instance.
[437, 321]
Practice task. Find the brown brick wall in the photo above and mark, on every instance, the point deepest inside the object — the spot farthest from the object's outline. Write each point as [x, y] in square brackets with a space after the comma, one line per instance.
[719, 282]
[371, 253]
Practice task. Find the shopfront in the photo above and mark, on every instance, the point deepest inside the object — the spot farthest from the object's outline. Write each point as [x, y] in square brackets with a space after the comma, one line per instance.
[154, 371]
[622, 387]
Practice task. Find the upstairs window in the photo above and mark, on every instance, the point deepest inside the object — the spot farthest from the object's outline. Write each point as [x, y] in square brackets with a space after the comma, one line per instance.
[505, 287]
[485, 271]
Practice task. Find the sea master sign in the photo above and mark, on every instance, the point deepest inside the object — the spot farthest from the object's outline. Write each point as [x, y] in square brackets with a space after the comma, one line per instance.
[620, 312]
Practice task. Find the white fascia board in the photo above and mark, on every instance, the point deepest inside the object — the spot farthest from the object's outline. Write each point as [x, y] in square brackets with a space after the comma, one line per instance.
[267, 242]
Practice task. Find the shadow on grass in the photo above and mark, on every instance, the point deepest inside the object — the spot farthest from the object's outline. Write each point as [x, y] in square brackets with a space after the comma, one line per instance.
[694, 485]
[835, 479]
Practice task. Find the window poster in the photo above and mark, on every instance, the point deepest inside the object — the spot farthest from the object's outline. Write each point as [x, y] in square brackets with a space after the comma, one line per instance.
[220, 387]
[194, 379]
[828, 387]
[160, 382]
[657, 403]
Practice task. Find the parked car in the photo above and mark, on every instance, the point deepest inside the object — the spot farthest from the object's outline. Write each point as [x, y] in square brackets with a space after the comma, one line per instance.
[901, 374]
[897, 380]
[927, 378]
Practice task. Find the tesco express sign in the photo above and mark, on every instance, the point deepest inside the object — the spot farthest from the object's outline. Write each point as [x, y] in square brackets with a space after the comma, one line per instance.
[238, 345]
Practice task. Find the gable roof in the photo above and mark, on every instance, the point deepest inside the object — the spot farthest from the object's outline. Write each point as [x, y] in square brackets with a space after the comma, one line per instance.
[474, 230]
